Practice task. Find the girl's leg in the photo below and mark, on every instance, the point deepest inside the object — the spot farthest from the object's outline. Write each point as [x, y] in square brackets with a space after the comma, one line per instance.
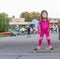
[40, 41]
[41, 38]
[49, 41]
[49, 44]
[48, 38]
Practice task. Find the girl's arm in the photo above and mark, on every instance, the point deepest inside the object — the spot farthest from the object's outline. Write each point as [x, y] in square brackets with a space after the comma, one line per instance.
[39, 27]
[49, 26]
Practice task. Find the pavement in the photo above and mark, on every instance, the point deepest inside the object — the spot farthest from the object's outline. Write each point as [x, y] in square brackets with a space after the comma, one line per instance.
[21, 47]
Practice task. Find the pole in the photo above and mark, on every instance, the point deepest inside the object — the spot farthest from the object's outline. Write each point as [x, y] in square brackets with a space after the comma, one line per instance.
[59, 28]
[59, 33]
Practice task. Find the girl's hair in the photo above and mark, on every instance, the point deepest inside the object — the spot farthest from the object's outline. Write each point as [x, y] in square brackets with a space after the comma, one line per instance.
[42, 13]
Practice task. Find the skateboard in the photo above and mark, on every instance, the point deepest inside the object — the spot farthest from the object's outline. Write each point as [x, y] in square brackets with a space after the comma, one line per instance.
[43, 50]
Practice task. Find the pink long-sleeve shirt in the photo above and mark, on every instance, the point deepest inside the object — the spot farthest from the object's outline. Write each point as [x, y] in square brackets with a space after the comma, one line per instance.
[44, 25]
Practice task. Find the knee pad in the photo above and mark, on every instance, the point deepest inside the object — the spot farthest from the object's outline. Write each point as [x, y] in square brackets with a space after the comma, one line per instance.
[48, 38]
[41, 38]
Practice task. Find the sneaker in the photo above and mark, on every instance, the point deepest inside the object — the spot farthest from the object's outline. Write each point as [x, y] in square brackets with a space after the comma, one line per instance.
[51, 49]
[36, 49]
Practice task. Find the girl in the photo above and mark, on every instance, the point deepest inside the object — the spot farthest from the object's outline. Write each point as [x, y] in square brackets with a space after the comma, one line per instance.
[44, 29]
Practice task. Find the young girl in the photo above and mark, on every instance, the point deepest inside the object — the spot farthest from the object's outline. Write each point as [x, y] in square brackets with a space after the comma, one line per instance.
[44, 29]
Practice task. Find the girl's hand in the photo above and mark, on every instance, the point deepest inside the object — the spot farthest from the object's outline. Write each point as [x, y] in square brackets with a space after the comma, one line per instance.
[39, 32]
[48, 29]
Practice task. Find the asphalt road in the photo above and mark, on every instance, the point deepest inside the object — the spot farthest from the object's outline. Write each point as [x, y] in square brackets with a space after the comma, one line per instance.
[21, 47]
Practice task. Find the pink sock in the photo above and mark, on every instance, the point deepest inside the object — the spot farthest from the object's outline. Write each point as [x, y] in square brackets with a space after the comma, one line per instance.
[49, 42]
[40, 42]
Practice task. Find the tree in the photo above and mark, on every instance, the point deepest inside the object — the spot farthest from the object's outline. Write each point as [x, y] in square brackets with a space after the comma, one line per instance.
[30, 16]
[4, 22]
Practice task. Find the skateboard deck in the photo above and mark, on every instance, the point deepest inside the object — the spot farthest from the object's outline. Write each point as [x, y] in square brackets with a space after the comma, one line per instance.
[43, 51]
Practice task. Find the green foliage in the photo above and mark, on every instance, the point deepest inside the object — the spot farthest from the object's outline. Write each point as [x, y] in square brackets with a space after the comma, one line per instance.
[30, 16]
[4, 22]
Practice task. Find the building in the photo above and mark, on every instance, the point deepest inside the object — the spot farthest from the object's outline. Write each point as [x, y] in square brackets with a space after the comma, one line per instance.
[18, 21]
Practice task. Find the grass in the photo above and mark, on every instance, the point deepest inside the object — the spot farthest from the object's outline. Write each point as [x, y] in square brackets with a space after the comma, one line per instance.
[4, 35]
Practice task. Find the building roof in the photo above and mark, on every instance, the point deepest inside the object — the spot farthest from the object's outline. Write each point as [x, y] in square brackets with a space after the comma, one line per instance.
[19, 23]
[17, 20]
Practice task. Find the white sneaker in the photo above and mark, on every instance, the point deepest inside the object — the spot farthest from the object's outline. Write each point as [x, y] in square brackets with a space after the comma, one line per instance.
[49, 47]
[38, 47]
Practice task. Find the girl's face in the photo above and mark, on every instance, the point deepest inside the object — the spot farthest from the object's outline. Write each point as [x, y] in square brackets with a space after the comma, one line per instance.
[44, 15]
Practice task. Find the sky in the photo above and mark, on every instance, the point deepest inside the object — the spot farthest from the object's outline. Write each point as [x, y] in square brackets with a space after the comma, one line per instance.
[16, 7]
